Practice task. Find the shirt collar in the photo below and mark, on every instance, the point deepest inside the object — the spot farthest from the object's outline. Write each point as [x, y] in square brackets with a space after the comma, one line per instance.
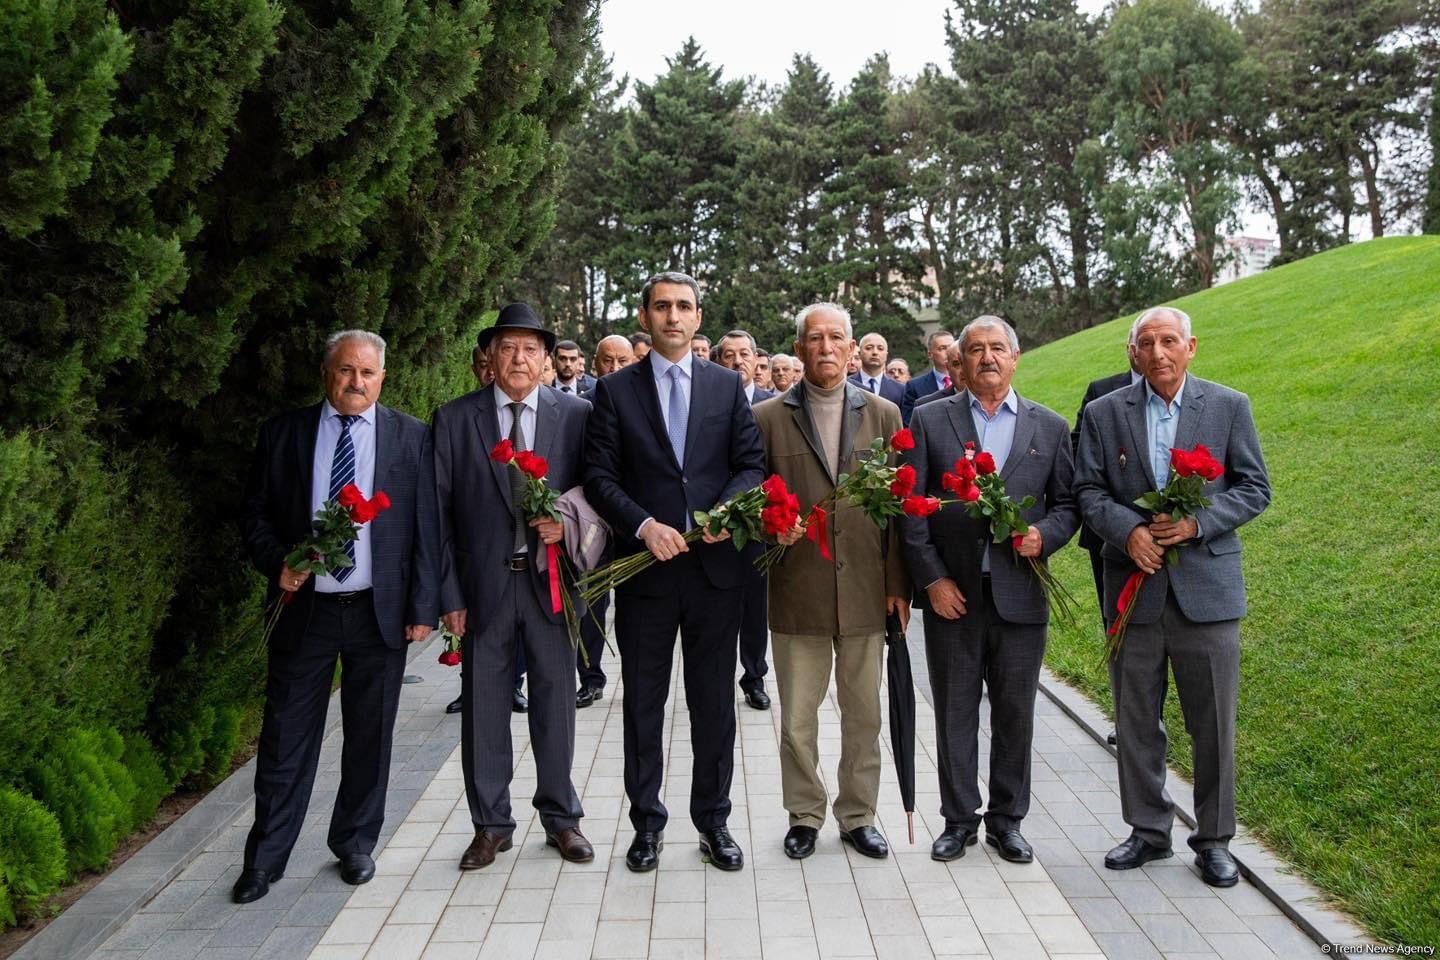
[327, 411]
[1011, 403]
[750, 391]
[1175, 404]
[661, 366]
[531, 400]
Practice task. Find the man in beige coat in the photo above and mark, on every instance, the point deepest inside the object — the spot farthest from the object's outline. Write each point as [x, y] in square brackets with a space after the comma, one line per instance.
[824, 612]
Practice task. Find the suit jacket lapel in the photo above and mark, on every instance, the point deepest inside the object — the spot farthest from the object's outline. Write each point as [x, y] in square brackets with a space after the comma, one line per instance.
[1020, 444]
[699, 381]
[795, 400]
[384, 445]
[547, 423]
[648, 394]
[854, 409]
[1135, 416]
[958, 412]
[1192, 408]
[488, 423]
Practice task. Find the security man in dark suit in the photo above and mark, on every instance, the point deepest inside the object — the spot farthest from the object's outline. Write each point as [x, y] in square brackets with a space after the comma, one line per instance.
[363, 614]
[737, 351]
[668, 436]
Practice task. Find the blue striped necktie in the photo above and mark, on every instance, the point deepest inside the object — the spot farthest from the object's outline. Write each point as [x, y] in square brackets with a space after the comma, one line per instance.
[342, 471]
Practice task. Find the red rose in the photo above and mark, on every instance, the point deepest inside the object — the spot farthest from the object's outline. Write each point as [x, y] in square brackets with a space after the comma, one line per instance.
[775, 489]
[776, 520]
[965, 469]
[904, 483]
[919, 506]
[503, 452]
[984, 463]
[380, 501]
[953, 482]
[969, 444]
[970, 493]
[1017, 540]
[363, 512]
[903, 440]
[349, 496]
[1205, 464]
[451, 658]
[532, 464]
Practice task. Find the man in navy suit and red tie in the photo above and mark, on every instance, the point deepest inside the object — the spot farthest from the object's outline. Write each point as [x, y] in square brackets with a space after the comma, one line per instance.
[931, 380]
[362, 614]
[670, 435]
[874, 353]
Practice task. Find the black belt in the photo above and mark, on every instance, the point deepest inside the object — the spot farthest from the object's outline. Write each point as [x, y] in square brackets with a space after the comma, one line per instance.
[344, 599]
[519, 562]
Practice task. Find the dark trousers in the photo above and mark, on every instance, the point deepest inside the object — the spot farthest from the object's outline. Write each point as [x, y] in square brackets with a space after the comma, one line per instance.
[962, 654]
[592, 638]
[754, 625]
[1097, 570]
[1205, 658]
[517, 625]
[297, 692]
[707, 619]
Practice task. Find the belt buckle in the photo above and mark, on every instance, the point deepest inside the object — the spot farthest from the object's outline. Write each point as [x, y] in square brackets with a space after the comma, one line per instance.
[519, 563]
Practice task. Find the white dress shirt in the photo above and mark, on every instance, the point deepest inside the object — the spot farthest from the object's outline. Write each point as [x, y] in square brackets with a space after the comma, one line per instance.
[362, 434]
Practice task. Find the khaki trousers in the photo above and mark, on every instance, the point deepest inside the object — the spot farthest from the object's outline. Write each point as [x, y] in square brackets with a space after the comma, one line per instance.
[802, 677]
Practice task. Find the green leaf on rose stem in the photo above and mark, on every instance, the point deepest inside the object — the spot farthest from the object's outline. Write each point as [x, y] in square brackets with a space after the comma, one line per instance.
[1151, 501]
[741, 537]
[701, 518]
[841, 479]
[1027, 503]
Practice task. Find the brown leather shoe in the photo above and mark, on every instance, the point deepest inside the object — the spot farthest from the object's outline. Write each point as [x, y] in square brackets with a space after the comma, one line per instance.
[572, 845]
[482, 850]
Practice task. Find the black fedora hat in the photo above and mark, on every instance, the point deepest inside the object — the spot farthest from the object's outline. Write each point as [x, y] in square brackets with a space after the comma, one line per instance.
[516, 316]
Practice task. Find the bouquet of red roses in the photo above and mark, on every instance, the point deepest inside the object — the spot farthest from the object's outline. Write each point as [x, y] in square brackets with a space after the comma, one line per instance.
[336, 524]
[877, 488]
[764, 511]
[537, 499]
[1182, 496]
[977, 483]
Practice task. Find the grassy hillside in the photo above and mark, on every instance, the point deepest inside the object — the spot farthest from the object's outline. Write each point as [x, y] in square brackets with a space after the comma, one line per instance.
[1338, 751]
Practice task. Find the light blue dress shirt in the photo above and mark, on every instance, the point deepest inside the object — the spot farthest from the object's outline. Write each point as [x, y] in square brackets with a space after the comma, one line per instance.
[1161, 422]
[996, 433]
[660, 367]
[362, 434]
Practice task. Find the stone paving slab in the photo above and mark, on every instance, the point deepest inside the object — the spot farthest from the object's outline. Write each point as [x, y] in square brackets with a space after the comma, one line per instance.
[836, 904]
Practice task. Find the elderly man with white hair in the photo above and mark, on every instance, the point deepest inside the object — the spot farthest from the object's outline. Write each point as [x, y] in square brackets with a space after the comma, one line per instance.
[1186, 614]
[782, 372]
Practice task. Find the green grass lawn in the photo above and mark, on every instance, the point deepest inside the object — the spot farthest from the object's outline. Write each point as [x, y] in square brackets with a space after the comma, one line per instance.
[1338, 752]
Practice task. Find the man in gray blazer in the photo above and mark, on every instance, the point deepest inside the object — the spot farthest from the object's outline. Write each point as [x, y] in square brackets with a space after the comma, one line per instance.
[1187, 613]
[493, 593]
[985, 611]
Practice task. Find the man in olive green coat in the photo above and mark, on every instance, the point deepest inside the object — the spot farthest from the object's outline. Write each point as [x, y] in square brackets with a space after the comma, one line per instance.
[824, 612]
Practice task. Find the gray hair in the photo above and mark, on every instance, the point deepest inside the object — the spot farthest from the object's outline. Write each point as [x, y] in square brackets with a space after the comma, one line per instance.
[778, 357]
[737, 334]
[614, 336]
[834, 308]
[333, 342]
[1180, 316]
[668, 276]
[988, 322]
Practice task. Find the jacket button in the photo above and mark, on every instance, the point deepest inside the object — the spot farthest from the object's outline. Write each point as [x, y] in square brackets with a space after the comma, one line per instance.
[839, 564]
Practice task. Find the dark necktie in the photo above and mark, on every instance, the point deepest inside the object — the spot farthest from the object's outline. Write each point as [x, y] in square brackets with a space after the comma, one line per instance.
[517, 481]
[342, 471]
[565, 389]
[872, 385]
[679, 416]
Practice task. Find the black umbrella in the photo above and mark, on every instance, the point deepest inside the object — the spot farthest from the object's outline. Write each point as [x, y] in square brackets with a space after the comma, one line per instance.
[902, 714]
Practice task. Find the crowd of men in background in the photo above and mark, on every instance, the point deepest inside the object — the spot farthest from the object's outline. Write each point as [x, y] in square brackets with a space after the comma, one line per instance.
[668, 421]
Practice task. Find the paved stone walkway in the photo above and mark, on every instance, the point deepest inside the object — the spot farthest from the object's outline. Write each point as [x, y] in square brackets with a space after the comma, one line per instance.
[836, 904]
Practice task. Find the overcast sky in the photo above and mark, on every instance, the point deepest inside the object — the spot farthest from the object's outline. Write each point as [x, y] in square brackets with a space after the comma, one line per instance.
[760, 37]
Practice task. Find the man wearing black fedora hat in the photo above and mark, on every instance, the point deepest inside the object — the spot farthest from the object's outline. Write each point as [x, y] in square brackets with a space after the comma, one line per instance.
[488, 553]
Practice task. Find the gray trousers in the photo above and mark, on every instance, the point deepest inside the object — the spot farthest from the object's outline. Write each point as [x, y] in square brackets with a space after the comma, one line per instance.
[962, 654]
[490, 647]
[1206, 661]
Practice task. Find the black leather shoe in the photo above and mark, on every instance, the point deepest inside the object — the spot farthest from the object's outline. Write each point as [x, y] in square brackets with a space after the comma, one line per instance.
[1135, 852]
[719, 848]
[453, 706]
[800, 842]
[1011, 845]
[758, 698]
[519, 704]
[951, 844]
[644, 853]
[357, 868]
[589, 695]
[1218, 867]
[1110, 738]
[867, 841]
[252, 885]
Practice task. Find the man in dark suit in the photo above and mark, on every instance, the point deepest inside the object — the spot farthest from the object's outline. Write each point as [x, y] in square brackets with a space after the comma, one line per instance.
[668, 436]
[874, 352]
[985, 610]
[736, 350]
[931, 380]
[489, 553]
[570, 375]
[1186, 615]
[362, 614]
[955, 371]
